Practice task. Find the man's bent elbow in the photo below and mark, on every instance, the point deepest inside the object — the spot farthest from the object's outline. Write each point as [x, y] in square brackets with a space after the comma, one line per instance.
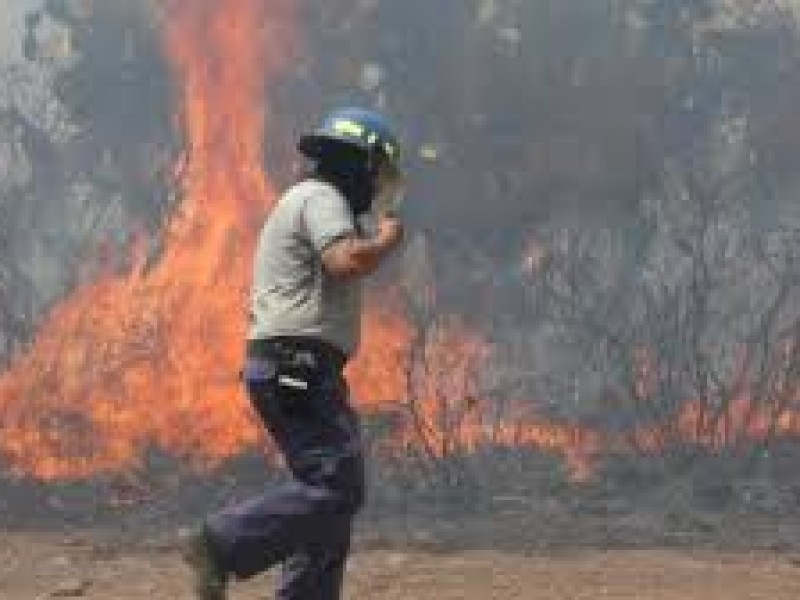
[350, 259]
[348, 269]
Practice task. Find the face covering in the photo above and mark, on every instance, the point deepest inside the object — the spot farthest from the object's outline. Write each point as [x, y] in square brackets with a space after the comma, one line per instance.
[352, 178]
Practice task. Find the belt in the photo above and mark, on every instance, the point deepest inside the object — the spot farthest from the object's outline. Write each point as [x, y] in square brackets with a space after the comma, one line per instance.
[288, 346]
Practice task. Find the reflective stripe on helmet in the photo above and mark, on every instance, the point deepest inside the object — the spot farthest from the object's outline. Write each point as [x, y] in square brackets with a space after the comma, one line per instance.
[348, 128]
[363, 128]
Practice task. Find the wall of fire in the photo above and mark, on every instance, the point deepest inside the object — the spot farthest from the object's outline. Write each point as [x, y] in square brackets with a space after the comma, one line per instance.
[580, 149]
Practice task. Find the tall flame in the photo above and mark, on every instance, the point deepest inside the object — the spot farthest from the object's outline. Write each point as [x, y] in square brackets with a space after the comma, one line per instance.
[149, 359]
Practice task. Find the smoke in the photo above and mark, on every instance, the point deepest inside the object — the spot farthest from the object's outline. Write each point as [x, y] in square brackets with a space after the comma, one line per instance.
[12, 29]
[519, 115]
[509, 110]
[86, 140]
[528, 124]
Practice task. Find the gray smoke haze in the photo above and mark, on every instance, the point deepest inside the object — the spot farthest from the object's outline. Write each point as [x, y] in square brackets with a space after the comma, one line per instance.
[589, 178]
[518, 113]
[12, 28]
[522, 119]
[84, 137]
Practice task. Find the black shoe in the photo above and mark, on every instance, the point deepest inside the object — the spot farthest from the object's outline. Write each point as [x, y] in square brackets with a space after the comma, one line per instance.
[210, 576]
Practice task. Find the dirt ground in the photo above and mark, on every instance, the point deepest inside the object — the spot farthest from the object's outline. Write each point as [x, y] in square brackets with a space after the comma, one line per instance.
[39, 566]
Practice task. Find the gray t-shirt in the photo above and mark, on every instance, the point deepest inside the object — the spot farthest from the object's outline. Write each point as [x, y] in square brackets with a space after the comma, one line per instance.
[292, 294]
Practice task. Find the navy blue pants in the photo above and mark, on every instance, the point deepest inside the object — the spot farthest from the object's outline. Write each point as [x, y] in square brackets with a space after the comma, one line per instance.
[306, 523]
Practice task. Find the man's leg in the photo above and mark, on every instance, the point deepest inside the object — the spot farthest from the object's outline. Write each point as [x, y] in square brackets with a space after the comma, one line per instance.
[291, 519]
[313, 575]
[308, 519]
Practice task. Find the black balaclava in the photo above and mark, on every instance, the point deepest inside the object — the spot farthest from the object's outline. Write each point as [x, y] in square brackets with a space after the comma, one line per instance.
[349, 172]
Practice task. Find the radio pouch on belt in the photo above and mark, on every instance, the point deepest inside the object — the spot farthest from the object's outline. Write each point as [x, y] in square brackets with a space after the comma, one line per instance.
[293, 374]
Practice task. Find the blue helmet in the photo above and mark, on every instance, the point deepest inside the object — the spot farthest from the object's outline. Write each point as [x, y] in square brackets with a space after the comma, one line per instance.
[355, 127]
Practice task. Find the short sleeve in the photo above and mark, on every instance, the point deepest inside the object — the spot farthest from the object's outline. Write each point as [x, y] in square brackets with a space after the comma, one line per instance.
[327, 217]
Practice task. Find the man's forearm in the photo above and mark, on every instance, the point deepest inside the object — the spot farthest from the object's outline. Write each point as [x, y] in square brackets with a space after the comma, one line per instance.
[363, 255]
[369, 253]
[358, 255]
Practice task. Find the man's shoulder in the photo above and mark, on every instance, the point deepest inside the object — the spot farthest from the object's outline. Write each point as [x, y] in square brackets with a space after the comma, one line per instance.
[310, 206]
[308, 189]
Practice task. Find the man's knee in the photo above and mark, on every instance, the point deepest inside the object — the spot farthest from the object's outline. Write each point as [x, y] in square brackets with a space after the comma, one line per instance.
[349, 485]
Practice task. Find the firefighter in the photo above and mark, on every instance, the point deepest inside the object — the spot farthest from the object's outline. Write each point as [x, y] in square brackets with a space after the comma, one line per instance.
[312, 254]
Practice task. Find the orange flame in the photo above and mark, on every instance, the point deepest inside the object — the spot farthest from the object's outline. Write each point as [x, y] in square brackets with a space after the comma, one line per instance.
[149, 359]
[433, 376]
